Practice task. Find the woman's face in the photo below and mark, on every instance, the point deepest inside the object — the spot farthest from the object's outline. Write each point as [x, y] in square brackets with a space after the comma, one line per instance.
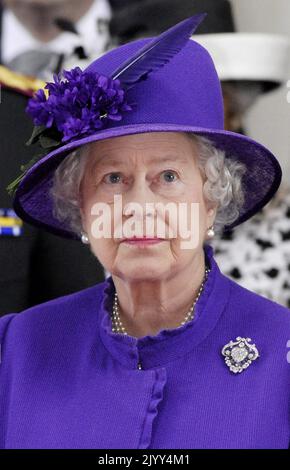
[155, 167]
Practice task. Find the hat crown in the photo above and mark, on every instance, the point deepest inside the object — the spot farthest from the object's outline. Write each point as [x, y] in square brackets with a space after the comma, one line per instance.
[186, 91]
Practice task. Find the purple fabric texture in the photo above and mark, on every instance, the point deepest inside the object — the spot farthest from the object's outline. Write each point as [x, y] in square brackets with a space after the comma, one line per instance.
[183, 96]
[67, 381]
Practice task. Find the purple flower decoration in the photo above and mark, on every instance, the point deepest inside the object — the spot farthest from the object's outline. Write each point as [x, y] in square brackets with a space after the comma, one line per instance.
[78, 104]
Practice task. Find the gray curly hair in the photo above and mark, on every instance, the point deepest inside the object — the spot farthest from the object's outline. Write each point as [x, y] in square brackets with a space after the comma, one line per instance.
[222, 176]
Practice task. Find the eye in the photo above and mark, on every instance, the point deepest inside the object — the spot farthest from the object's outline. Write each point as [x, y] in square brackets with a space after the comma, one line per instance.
[169, 176]
[112, 178]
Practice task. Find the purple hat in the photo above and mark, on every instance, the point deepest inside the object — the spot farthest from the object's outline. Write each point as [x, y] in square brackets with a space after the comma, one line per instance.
[161, 84]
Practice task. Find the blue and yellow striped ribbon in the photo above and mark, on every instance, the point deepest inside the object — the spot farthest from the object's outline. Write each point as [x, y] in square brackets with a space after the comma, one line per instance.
[10, 223]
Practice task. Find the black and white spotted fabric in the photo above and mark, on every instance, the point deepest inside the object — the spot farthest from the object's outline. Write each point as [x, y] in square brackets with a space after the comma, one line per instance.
[256, 254]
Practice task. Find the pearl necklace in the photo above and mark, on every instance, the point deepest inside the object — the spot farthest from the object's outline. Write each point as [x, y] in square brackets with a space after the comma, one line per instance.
[117, 325]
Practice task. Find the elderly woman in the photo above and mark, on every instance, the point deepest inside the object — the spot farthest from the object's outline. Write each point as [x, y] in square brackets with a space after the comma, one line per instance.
[167, 352]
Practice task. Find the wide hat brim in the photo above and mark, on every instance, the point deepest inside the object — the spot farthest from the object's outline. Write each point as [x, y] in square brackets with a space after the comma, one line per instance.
[33, 202]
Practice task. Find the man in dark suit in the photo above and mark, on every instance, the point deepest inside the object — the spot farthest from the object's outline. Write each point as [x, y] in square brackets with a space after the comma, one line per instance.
[35, 266]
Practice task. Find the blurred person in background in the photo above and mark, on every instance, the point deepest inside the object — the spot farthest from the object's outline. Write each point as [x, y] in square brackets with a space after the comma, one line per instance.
[257, 253]
[40, 266]
[39, 37]
[251, 65]
[133, 19]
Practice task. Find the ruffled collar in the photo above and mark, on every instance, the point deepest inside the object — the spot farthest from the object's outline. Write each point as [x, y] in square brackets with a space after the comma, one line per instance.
[168, 344]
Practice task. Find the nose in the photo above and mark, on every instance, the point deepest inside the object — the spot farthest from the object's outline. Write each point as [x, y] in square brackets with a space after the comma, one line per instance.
[140, 194]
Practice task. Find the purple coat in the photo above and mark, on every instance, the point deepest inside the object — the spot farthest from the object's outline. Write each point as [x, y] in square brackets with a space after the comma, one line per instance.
[67, 381]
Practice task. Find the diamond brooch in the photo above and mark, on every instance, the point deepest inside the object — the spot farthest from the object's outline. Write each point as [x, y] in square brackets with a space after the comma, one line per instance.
[239, 354]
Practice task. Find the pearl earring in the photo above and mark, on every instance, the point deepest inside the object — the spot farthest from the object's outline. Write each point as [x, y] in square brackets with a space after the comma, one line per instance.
[210, 232]
[84, 238]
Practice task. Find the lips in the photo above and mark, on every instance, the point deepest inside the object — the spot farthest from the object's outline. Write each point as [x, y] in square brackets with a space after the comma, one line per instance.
[142, 241]
[137, 239]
